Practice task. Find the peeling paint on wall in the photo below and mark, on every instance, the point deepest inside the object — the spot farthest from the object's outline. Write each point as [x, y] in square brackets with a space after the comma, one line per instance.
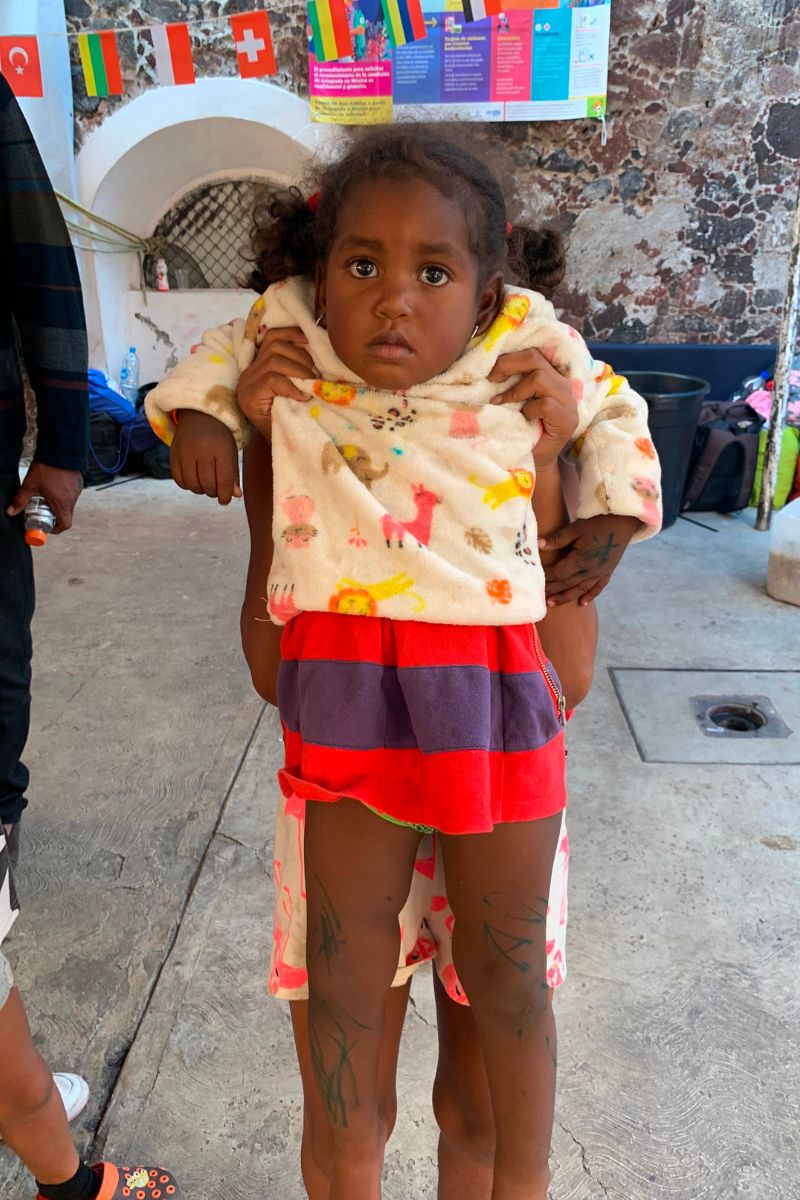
[161, 336]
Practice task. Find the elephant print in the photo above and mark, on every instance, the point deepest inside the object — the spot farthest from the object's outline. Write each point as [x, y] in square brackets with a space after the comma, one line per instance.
[357, 459]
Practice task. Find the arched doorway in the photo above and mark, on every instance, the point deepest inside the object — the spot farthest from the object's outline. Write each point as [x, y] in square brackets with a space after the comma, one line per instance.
[139, 163]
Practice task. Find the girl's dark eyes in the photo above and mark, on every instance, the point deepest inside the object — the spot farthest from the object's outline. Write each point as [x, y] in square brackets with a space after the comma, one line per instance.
[435, 276]
[363, 268]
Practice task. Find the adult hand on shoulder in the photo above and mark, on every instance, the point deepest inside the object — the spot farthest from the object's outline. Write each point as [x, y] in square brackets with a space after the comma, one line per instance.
[58, 487]
[593, 547]
[204, 458]
[282, 356]
[544, 395]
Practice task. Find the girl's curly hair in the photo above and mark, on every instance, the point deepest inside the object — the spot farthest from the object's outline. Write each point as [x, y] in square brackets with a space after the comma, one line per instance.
[290, 237]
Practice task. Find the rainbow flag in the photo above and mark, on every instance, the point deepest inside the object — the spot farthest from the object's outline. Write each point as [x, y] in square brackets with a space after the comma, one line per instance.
[330, 31]
[404, 21]
[100, 62]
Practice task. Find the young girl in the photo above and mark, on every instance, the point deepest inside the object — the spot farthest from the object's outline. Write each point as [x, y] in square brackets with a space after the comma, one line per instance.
[461, 1099]
[405, 494]
[204, 449]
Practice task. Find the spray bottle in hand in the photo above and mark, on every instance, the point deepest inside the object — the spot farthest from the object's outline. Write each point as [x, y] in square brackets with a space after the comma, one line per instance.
[39, 521]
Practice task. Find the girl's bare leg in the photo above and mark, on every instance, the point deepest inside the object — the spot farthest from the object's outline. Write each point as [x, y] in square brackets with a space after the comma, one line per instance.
[498, 886]
[32, 1118]
[358, 869]
[462, 1103]
[317, 1148]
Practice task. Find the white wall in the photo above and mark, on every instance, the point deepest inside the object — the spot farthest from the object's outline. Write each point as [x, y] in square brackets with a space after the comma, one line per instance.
[166, 328]
[143, 158]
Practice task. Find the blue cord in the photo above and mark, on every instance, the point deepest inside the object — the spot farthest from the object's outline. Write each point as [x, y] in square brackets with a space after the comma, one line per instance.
[122, 456]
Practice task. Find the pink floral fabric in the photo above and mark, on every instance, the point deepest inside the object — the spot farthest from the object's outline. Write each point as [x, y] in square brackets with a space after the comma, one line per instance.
[426, 921]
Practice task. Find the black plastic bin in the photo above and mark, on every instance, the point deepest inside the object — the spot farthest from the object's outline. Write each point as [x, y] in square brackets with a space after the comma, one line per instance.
[724, 365]
[674, 402]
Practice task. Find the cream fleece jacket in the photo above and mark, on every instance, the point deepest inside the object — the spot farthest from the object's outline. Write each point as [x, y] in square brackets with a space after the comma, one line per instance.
[417, 505]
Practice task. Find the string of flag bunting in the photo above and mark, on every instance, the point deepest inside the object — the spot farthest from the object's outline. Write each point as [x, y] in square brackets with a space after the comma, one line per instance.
[334, 23]
[20, 59]
[332, 27]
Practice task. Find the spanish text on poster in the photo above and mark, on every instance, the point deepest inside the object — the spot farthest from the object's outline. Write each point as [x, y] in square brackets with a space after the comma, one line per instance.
[525, 64]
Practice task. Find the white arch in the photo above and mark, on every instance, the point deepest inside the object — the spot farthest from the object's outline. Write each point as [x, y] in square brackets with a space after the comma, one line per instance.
[141, 159]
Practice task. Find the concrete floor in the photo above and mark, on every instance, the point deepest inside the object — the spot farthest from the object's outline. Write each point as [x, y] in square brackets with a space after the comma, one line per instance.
[143, 941]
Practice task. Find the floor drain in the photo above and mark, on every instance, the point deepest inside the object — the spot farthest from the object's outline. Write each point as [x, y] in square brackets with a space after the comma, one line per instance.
[738, 717]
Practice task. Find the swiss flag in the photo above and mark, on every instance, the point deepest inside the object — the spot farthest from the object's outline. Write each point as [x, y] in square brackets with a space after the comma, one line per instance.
[253, 41]
[20, 63]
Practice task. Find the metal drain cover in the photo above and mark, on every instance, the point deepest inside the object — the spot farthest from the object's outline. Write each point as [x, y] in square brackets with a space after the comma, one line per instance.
[751, 718]
[738, 717]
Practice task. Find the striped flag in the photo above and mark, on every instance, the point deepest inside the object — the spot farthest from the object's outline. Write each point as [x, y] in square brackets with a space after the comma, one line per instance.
[100, 62]
[404, 21]
[173, 49]
[478, 10]
[330, 31]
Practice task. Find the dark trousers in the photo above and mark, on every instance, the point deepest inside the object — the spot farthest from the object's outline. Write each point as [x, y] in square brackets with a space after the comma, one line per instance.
[16, 612]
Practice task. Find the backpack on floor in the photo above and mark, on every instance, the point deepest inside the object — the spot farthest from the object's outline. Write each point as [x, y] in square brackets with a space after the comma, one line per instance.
[724, 459]
[154, 454]
[105, 449]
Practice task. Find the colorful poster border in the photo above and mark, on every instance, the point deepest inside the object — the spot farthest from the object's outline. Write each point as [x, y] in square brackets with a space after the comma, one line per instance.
[544, 64]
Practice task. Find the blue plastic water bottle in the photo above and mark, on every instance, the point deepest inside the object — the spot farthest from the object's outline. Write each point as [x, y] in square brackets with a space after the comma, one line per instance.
[129, 377]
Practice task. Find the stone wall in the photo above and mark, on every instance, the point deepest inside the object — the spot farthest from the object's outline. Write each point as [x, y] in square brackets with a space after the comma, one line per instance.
[678, 225]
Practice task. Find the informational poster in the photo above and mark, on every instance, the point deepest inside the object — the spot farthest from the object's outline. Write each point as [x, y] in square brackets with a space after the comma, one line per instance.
[541, 64]
[357, 90]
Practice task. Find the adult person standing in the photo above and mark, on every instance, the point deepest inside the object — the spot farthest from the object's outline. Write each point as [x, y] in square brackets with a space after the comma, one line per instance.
[42, 326]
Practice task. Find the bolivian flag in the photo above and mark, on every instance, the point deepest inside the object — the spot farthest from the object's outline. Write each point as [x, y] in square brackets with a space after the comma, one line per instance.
[330, 31]
[100, 62]
[404, 21]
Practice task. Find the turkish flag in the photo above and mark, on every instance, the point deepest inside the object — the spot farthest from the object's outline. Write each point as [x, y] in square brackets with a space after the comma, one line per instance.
[253, 40]
[20, 63]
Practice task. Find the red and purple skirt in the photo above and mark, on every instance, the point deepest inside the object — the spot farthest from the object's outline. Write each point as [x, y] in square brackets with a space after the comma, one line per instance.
[452, 727]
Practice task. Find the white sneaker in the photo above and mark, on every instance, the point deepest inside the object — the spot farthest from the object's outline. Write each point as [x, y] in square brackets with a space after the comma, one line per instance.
[74, 1093]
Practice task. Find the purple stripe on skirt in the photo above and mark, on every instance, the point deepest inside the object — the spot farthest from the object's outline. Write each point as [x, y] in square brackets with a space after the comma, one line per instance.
[366, 706]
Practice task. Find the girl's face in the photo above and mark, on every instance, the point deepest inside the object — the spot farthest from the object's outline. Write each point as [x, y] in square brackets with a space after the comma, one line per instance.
[400, 289]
